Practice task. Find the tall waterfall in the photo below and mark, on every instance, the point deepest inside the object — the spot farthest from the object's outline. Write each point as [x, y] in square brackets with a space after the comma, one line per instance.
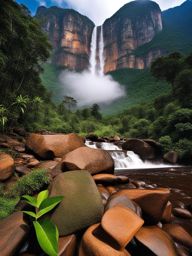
[93, 55]
[93, 61]
[101, 52]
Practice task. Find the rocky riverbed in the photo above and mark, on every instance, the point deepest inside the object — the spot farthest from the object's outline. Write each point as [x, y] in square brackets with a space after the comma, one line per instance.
[131, 213]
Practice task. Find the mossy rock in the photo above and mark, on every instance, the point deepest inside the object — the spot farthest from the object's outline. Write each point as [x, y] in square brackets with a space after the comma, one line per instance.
[81, 205]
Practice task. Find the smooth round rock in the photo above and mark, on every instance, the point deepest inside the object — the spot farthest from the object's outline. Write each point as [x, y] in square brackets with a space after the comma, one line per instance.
[151, 201]
[157, 240]
[167, 213]
[81, 205]
[67, 245]
[92, 160]
[51, 146]
[121, 224]
[179, 234]
[13, 232]
[182, 213]
[123, 200]
[109, 179]
[96, 242]
[6, 166]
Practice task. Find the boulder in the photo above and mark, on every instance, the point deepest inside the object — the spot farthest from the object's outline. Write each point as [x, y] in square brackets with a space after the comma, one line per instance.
[51, 146]
[167, 213]
[13, 232]
[96, 242]
[81, 205]
[171, 157]
[121, 224]
[123, 200]
[139, 147]
[151, 201]
[84, 158]
[67, 245]
[182, 213]
[108, 179]
[156, 146]
[179, 234]
[157, 240]
[6, 166]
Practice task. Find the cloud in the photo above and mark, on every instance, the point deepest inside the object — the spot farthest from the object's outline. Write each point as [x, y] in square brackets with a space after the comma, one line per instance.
[88, 88]
[99, 10]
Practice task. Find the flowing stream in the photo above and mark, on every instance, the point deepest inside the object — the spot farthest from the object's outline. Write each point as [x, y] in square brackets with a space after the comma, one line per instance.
[125, 160]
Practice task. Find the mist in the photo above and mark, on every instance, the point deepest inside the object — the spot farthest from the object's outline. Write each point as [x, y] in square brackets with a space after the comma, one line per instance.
[88, 88]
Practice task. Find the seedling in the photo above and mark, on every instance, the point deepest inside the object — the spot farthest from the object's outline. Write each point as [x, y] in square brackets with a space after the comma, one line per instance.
[46, 231]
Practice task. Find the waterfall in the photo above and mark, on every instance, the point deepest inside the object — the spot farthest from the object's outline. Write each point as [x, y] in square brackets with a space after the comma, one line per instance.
[124, 160]
[93, 54]
[101, 53]
[93, 61]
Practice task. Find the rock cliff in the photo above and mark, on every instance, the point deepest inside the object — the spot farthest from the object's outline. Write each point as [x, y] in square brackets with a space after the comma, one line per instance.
[134, 25]
[70, 35]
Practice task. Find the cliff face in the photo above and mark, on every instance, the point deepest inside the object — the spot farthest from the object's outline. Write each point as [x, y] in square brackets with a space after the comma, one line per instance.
[134, 25]
[70, 35]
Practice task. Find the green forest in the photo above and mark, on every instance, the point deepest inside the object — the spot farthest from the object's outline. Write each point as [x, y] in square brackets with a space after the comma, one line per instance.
[25, 102]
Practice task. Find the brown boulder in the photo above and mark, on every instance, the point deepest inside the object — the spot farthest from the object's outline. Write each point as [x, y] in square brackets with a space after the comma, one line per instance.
[182, 213]
[157, 240]
[67, 245]
[84, 158]
[179, 234]
[121, 224]
[50, 146]
[123, 200]
[151, 201]
[167, 213]
[96, 242]
[171, 157]
[6, 166]
[13, 232]
[110, 179]
[141, 148]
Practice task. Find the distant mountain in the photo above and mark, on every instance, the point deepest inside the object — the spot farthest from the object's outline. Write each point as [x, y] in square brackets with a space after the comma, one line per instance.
[176, 34]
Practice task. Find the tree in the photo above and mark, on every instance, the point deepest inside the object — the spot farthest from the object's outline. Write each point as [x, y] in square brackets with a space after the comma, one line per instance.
[183, 87]
[167, 68]
[23, 48]
[95, 112]
[69, 102]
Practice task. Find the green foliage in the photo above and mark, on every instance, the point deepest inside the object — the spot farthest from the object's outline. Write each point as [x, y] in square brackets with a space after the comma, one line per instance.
[7, 205]
[184, 148]
[46, 232]
[183, 87]
[166, 143]
[31, 183]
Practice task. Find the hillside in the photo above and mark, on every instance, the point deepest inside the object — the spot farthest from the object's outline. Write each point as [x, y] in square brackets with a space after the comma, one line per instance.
[176, 34]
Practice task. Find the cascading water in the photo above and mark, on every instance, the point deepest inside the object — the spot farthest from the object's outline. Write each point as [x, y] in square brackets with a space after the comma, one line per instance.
[94, 67]
[101, 53]
[93, 54]
[124, 160]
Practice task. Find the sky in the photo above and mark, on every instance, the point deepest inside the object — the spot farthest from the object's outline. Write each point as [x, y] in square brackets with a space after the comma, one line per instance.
[96, 10]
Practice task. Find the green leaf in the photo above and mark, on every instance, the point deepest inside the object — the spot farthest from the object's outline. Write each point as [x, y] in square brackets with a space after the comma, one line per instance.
[31, 200]
[41, 197]
[32, 214]
[47, 236]
[48, 204]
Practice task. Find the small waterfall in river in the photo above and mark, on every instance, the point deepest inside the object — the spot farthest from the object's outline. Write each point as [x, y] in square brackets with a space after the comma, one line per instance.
[97, 63]
[124, 160]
